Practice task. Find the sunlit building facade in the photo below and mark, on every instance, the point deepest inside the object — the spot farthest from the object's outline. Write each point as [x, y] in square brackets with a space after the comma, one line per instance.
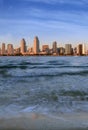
[10, 50]
[84, 49]
[36, 46]
[68, 49]
[23, 46]
[3, 51]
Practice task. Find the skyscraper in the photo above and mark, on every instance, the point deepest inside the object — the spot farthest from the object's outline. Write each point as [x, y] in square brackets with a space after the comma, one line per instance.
[55, 47]
[84, 49]
[36, 45]
[68, 49]
[10, 50]
[3, 49]
[23, 46]
[80, 49]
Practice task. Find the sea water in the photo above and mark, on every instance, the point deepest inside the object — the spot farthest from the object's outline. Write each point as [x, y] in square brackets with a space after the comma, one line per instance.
[48, 85]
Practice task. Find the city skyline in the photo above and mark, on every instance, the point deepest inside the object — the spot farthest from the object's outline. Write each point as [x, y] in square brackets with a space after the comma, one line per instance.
[22, 40]
[65, 21]
[45, 49]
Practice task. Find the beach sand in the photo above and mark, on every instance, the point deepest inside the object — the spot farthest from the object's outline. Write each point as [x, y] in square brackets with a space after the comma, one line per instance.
[36, 121]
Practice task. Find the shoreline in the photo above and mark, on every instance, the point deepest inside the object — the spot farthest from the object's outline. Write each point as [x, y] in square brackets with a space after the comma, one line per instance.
[36, 121]
[44, 55]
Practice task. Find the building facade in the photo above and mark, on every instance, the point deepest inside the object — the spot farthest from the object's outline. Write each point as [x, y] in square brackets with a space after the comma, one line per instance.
[45, 48]
[23, 46]
[10, 50]
[3, 51]
[61, 51]
[80, 49]
[54, 49]
[68, 49]
[84, 49]
[36, 46]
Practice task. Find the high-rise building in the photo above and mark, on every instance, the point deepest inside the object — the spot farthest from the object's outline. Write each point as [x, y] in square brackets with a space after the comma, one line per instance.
[3, 51]
[68, 49]
[10, 50]
[80, 49]
[55, 47]
[23, 46]
[84, 49]
[36, 45]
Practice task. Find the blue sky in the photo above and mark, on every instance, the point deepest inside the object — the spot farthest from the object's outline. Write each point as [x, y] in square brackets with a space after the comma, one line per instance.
[61, 20]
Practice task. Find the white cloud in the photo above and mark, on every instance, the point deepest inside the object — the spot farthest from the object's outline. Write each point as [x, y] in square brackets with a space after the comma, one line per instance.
[60, 1]
[58, 22]
[72, 17]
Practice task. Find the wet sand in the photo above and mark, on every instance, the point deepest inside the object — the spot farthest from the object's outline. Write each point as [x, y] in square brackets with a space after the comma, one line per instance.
[35, 121]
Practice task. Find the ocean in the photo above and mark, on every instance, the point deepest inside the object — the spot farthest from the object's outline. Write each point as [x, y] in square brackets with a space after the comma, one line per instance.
[45, 85]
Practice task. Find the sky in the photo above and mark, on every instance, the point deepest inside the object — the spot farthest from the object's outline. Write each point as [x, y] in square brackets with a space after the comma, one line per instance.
[64, 21]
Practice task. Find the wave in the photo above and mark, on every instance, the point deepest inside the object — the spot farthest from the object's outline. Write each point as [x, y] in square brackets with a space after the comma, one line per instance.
[41, 66]
[23, 71]
[50, 74]
[13, 67]
[31, 63]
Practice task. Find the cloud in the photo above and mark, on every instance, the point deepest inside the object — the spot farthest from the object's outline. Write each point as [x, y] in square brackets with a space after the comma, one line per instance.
[77, 18]
[60, 1]
[36, 16]
[44, 17]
